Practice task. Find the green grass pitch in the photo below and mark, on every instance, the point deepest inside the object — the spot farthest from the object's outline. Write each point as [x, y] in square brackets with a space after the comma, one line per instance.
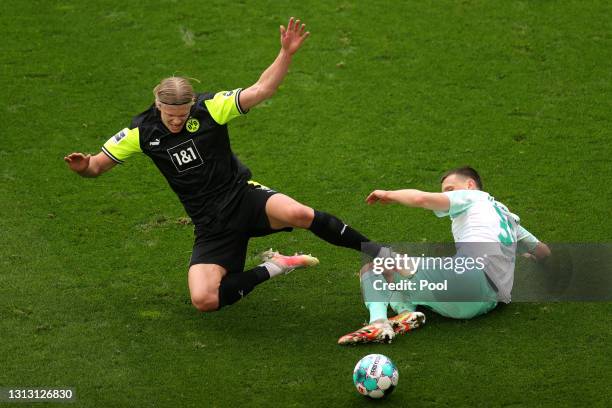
[93, 291]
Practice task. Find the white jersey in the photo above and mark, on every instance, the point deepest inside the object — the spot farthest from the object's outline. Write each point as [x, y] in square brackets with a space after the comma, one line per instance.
[478, 218]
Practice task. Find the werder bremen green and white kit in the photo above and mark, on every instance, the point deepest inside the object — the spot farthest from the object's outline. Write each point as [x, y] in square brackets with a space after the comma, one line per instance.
[485, 231]
[477, 218]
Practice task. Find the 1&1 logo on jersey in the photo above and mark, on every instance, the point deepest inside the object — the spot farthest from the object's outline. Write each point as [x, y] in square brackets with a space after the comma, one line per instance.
[185, 156]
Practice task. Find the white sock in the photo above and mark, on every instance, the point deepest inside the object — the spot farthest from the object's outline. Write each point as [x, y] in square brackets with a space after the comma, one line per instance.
[273, 269]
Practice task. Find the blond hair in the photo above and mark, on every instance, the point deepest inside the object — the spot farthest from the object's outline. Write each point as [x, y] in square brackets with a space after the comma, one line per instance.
[174, 91]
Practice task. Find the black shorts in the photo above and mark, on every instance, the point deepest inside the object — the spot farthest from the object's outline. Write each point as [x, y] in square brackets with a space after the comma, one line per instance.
[227, 245]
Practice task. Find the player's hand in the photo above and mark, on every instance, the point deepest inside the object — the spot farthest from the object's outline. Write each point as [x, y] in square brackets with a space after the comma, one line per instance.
[78, 162]
[293, 36]
[529, 256]
[378, 196]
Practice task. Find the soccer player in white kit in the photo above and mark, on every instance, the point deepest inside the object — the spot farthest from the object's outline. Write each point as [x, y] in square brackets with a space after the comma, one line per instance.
[480, 225]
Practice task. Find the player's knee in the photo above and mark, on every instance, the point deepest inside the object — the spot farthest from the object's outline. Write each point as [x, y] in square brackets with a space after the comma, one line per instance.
[365, 269]
[301, 216]
[205, 302]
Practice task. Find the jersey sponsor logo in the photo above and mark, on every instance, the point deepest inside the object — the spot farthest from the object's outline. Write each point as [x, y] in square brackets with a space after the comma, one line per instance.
[185, 156]
[117, 138]
[192, 125]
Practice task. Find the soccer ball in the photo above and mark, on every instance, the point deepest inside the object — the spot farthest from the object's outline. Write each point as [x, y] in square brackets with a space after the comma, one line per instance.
[375, 376]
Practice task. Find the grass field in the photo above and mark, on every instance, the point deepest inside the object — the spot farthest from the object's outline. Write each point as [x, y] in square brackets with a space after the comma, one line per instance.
[93, 291]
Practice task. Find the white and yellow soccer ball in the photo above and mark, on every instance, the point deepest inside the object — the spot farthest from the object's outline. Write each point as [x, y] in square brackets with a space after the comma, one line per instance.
[375, 376]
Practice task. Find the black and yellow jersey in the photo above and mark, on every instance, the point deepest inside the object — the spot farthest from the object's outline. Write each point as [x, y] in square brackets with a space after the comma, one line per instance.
[198, 161]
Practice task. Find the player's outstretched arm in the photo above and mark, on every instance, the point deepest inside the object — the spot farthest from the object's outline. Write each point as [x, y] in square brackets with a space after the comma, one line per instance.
[539, 253]
[88, 165]
[529, 246]
[291, 39]
[411, 198]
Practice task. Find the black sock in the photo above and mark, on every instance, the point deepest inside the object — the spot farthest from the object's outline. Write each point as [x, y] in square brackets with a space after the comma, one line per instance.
[334, 231]
[235, 286]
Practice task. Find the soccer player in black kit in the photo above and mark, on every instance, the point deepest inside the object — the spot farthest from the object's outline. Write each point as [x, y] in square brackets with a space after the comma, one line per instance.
[185, 134]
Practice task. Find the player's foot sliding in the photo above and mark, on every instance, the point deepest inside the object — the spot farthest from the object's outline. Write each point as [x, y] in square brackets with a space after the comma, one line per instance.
[277, 264]
[407, 321]
[378, 332]
[235, 286]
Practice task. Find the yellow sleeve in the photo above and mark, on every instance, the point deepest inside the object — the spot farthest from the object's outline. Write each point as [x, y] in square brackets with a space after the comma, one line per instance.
[122, 145]
[225, 106]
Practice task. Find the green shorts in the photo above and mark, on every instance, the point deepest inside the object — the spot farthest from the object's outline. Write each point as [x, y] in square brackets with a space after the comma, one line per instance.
[453, 295]
[467, 295]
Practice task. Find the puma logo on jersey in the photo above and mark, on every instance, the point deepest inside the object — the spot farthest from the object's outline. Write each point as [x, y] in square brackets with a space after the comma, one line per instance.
[154, 143]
